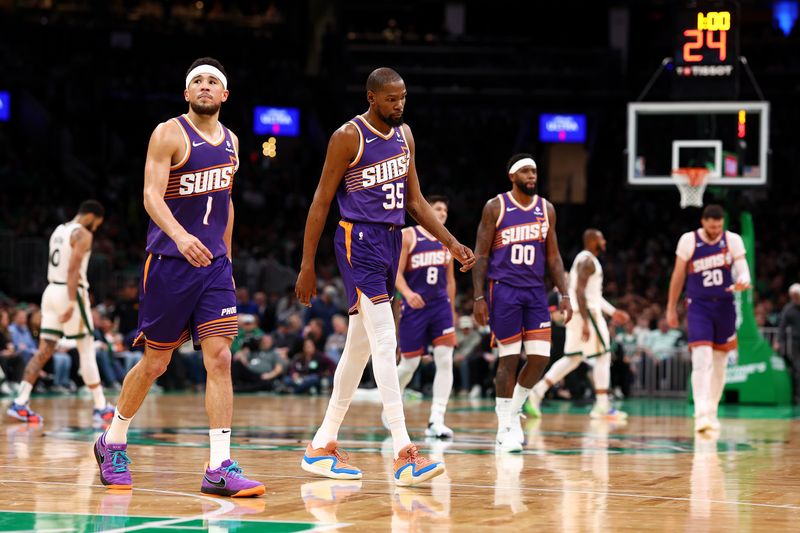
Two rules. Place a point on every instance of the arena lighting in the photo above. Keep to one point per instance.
(784, 14)
(562, 128)
(278, 121)
(5, 106)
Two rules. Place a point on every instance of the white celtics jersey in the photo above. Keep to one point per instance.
(594, 285)
(61, 253)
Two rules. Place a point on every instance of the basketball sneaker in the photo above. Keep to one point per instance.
(104, 415)
(113, 462)
(533, 407)
(410, 468)
(610, 414)
(329, 462)
(227, 480)
(438, 430)
(507, 442)
(24, 413)
(516, 430)
(703, 423)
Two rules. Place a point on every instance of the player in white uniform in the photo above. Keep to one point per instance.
(66, 311)
(587, 334)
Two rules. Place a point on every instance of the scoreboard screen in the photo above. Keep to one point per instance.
(707, 41)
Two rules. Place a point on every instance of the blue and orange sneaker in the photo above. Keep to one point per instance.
(329, 461)
(104, 415)
(410, 468)
(24, 413)
(113, 462)
(227, 480)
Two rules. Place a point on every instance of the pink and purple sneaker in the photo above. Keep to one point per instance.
(227, 480)
(113, 462)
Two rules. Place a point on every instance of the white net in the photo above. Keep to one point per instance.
(691, 183)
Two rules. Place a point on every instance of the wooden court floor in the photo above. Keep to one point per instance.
(575, 475)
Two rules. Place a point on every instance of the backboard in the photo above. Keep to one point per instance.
(730, 139)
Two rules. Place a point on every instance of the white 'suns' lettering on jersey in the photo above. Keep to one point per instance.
(710, 261)
(385, 171)
(206, 181)
(536, 231)
(228, 311)
(425, 259)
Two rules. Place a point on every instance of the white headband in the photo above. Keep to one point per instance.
(207, 69)
(522, 163)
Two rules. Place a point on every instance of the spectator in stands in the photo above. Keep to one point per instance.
(334, 345)
(661, 343)
(288, 305)
(264, 311)
(307, 369)
(244, 305)
(323, 307)
(314, 330)
(21, 337)
(469, 345)
(248, 330)
(789, 337)
(126, 312)
(257, 366)
(11, 362)
(62, 365)
(623, 351)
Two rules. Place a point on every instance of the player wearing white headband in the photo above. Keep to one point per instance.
(187, 288)
(516, 242)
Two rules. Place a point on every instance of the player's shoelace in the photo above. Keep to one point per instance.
(341, 455)
(120, 461)
(413, 456)
(234, 470)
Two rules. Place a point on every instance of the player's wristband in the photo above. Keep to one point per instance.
(479, 298)
(565, 297)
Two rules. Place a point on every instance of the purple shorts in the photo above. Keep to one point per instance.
(368, 255)
(518, 313)
(419, 328)
(712, 323)
(177, 300)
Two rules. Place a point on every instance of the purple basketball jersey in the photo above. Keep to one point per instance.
(518, 252)
(373, 188)
(426, 269)
(709, 270)
(198, 191)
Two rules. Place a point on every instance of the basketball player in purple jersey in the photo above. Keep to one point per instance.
(370, 169)
(428, 285)
(516, 237)
(705, 260)
(187, 287)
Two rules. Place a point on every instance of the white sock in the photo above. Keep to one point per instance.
(379, 324)
(24, 393)
(442, 382)
(557, 372)
(701, 379)
(719, 365)
(345, 382)
(220, 439)
(118, 432)
(406, 369)
(98, 396)
(503, 409)
(601, 374)
(519, 397)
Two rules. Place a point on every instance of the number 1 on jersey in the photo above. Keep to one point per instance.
(208, 210)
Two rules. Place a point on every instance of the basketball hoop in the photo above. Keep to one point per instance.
(691, 183)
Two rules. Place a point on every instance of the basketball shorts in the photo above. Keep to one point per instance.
(519, 314)
(431, 325)
(599, 338)
(178, 301)
(55, 303)
(368, 255)
(712, 323)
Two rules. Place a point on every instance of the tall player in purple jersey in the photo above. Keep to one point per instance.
(705, 260)
(516, 238)
(187, 287)
(370, 169)
(428, 285)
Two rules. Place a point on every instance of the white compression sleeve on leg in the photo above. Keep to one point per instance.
(405, 370)
(379, 324)
(442, 382)
(601, 374)
(701, 379)
(560, 368)
(345, 381)
(718, 367)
